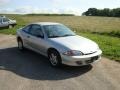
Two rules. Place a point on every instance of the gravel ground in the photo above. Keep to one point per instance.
(31, 71)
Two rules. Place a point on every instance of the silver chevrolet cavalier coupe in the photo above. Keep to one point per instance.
(60, 44)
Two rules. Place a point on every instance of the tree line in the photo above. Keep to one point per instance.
(49, 14)
(103, 12)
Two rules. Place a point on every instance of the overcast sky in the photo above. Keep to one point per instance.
(54, 6)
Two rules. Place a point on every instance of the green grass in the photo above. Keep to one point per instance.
(109, 45)
(103, 30)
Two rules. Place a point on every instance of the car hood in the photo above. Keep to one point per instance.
(12, 21)
(77, 43)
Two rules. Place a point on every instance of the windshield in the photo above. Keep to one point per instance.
(53, 31)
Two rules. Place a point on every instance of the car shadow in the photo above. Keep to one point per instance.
(31, 65)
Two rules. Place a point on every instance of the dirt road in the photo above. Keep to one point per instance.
(31, 71)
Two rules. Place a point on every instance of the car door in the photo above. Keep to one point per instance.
(5, 22)
(36, 39)
(25, 35)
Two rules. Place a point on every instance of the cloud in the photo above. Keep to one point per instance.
(29, 9)
(4, 2)
(72, 11)
(66, 10)
(59, 3)
(58, 7)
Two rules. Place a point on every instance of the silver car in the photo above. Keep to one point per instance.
(6, 22)
(58, 43)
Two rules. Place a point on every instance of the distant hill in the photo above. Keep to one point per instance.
(50, 14)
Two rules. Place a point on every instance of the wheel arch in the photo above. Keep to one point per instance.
(19, 38)
(59, 56)
(52, 49)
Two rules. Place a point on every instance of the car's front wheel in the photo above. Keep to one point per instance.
(10, 26)
(54, 58)
(20, 45)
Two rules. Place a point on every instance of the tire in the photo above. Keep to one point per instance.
(10, 26)
(54, 58)
(20, 45)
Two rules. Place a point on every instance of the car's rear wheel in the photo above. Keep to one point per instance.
(54, 58)
(20, 45)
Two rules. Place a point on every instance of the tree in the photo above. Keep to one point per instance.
(116, 12)
(103, 12)
(91, 12)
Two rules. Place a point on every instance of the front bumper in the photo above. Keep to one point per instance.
(81, 60)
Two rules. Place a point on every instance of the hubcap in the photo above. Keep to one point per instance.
(53, 59)
(19, 44)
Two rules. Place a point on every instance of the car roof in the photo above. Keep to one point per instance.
(46, 23)
(1, 17)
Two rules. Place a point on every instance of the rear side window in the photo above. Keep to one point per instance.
(0, 20)
(26, 29)
(36, 30)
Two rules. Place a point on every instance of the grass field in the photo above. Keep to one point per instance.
(104, 30)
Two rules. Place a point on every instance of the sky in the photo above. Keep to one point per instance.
(76, 7)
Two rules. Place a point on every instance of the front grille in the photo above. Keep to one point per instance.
(92, 59)
(89, 61)
(95, 58)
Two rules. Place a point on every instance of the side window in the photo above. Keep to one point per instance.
(0, 20)
(5, 19)
(36, 31)
(26, 29)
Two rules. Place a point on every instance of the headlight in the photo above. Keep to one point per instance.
(73, 53)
